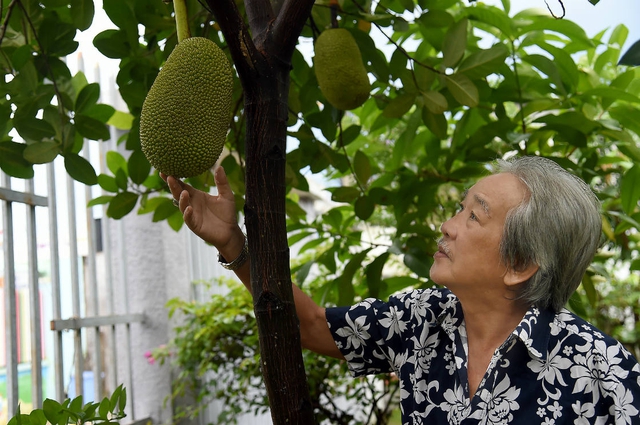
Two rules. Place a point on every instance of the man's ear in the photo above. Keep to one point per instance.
(515, 277)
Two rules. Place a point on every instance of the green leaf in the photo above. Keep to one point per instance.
(57, 37)
(399, 105)
(12, 160)
(483, 62)
(76, 405)
(113, 401)
(362, 166)
(113, 44)
(492, 16)
(364, 207)
(570, 29)
(373, 272)
(455, 43)
(627, 116)
(611, 93)
(91, 128)
(345, 194)
(82, 12)
(436, 123)
(435, 101)
(463, 89)
(122, 15)
(108, 183)
(32, 128)
(100, 200)
(87, 97)
(80, 169)
(100, 112)
(631, 56)
(138, 166)
(630, 189)
(165, 210)
(41, 152)
(346, 292)
(565, 64)
(115, 162)
(52, 410)
(121, 120)
(37, 417)
(547, 67)
(103, 410)
(121, 205)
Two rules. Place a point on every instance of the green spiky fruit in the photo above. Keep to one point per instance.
(186, 115)
(341, 75)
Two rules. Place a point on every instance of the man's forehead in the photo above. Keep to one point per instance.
(496, 189)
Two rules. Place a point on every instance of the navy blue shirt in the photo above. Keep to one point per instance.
(553, 369)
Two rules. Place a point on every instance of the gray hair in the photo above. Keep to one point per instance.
(557, 227)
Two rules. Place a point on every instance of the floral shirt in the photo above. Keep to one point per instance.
(554, 368)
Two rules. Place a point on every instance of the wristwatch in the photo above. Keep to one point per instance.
(240, 259)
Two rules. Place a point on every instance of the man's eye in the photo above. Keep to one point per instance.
(473, 216)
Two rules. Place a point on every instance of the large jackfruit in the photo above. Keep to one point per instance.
(341, 74)
(186, 115)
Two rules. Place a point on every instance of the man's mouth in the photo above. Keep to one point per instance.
(443, 248)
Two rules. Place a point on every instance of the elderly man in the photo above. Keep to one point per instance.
(496, 346)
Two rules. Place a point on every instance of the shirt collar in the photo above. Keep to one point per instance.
(533, 329)
(534, 333)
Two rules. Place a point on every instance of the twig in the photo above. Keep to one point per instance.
(44, 54)
(5, 24)
(515, 72)
(551, 11)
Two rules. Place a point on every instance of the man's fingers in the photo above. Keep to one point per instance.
(224, 190)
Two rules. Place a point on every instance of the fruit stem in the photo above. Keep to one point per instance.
(182, 19)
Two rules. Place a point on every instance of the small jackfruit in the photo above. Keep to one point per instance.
(186, 115)
(341, 75)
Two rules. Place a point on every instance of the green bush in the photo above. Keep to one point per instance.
(215, 353)
(108, 411)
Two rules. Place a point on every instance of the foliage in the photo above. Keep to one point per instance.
(454, 85)
(215, 353)
(109, 411)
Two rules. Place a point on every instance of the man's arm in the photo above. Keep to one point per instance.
(213, 218)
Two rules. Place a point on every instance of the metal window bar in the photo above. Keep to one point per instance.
(77, 323)
(11, 331)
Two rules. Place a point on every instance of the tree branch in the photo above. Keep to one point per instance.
(243, 50)
(260, 15)
(288, 26)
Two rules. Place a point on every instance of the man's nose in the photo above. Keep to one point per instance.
(448, 229)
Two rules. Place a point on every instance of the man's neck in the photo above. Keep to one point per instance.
(489, 324)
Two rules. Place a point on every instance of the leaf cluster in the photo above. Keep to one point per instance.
(109, 411)
(215, 355)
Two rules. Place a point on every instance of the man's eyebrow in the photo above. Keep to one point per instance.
(479, 200)
(483, 204)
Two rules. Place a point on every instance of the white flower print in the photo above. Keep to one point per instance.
(456, 405)
(598, 370)
(425, 348)
(584, 412)
(356, 333)
(555, 409)
(551, 368)
(625, 409)
(418, 304)
(500, 403)
(419, 388)
(393, 322)
(588, 377)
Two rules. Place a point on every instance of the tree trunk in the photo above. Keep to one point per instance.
(263, 63)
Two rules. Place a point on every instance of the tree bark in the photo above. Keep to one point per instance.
(263, 63)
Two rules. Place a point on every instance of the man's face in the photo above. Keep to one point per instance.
(468, 261)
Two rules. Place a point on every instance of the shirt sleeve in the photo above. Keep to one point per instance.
(374, 335)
